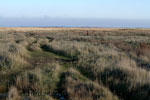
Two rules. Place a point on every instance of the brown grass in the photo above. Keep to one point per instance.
(108, 64)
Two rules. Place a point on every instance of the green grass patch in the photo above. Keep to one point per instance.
(46, 54)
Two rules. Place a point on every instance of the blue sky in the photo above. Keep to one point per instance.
(75, 13)
(118, 9)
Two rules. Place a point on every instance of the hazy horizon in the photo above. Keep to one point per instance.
(67, 13)
(73, 22)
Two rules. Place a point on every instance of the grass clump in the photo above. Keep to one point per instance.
(74, 86)
(108, 64)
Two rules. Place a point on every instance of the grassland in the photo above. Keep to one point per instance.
(68, 64)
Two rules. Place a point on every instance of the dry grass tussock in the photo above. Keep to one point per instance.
(108, 64)
(12, 54)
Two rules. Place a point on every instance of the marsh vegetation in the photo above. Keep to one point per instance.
(66, 64)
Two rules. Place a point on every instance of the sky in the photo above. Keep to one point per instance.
(135, 12)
